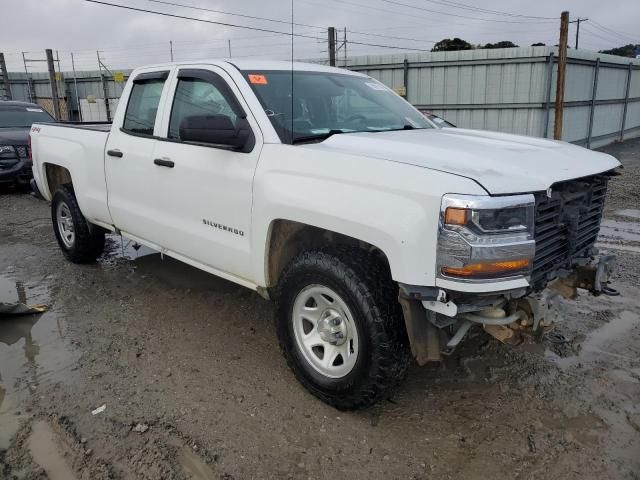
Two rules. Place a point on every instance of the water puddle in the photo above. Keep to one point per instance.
(32, 350)
(629, 212)
(599, 342)
(43, 448)
(119, 247)
(194, 466)
(616, 230)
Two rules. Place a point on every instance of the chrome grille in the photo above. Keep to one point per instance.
(566, 225)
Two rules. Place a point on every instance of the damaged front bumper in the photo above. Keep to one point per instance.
(438, 320)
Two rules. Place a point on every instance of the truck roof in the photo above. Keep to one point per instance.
(263, 65)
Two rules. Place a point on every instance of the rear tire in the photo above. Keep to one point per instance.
(342, 304)
(79, 240)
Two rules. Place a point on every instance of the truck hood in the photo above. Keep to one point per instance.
(14, 136)
(501, 163)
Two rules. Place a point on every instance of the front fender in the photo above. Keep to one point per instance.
(390, 205)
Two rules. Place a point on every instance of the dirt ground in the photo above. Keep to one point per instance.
(193, 385)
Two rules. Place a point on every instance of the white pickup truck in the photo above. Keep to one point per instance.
(379, 236)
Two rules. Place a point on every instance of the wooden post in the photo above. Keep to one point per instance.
(5, 77)
(562, 70)
(54, 84)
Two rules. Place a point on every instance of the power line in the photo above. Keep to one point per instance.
(611, 32)
(394, 2)
(253, 17)
(464, 6)
(232, 25)
(389, 36)
(608, 39)
(183, 17)
(286, 22)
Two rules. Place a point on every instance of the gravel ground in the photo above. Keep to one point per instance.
(188, 370)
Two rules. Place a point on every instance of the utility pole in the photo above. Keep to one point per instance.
(332, 46)
(345, 48)
(577, 22)
(562, 70)
(171, 49)
(54, 84)
(5, 77)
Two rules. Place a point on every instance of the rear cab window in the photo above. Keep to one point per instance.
(144, 100)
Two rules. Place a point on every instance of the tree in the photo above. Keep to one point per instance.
(448, 45)
(539, 44)
(624, 51)
(503, 44)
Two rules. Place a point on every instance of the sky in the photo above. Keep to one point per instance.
(128, 38)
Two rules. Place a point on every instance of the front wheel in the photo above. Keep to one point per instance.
(80, 241)
(340, 326)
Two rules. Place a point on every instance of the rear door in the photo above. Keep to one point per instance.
(129, 155)
(204, 191)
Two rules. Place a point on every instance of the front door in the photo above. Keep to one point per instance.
(203, 191)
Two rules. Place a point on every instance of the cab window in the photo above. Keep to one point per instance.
(197, 97)
(142, 108)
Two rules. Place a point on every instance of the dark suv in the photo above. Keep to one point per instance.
(15, 122)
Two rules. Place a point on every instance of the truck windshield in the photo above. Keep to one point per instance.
(12, 116)
(324, 104)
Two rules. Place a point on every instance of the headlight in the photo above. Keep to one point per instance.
(7, 149)
(484, 238)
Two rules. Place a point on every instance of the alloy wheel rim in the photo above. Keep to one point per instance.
(65, 224)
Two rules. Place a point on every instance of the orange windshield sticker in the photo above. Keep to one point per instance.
(257, 79)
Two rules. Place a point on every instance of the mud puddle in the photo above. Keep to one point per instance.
(603, 341)
(32, 351)
(118, 247)
(629, 212)
(616, 230)
(43, 447)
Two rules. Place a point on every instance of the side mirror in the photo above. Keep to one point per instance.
(213, 129)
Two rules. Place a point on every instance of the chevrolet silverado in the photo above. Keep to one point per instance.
(380, 237)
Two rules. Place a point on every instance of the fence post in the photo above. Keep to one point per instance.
(53, 83)
(594, 93)
(5, 77)
(406, 78)
(626, 101)
(105, 90)
(548, 103)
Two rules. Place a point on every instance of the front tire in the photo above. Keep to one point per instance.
(340, 326)
(80, 241)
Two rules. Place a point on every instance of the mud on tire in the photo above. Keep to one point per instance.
(87, 242)
(364, 283)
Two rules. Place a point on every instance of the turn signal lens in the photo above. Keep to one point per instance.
(456, 216)
(475, 270)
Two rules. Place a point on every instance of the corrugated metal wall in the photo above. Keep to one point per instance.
(508, 90)
(513, 90)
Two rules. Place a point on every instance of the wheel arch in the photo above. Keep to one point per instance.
(55, 176)
(289, 238)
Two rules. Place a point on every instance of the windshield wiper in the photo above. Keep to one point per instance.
(319, 137)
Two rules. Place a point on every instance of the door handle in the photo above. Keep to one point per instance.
(114, 153)
(164, 162)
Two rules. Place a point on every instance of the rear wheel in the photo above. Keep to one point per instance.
(340, 326)
(80, 241)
